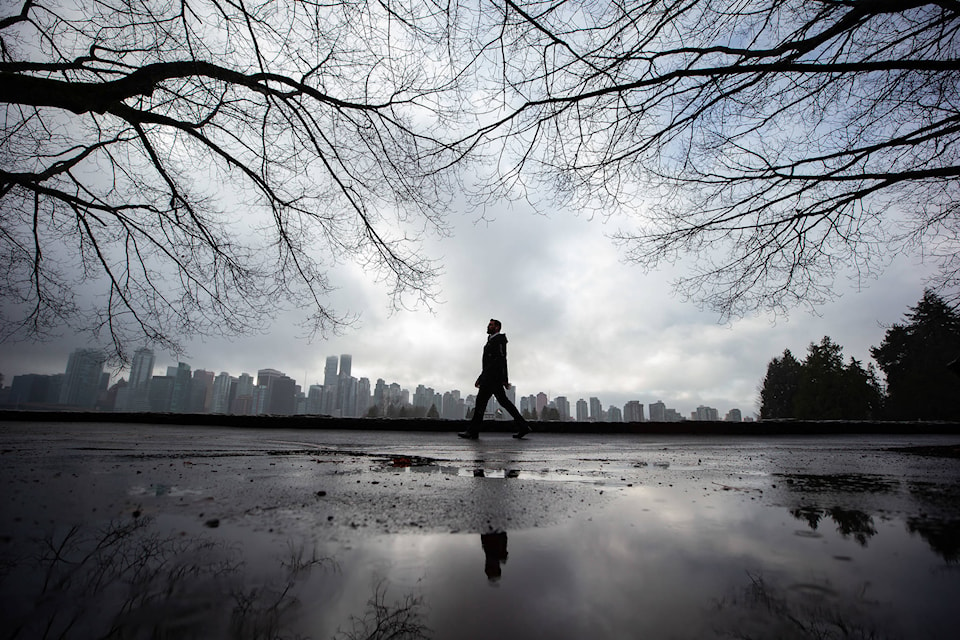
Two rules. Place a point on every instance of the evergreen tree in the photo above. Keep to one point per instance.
(780, 387)
(914, 357)
(433, 413)
(820, 387)
(862, 396)
(550, 413)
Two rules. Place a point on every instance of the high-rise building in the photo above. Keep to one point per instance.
(136, 396)
(330, 385)
(563, 407)
(201, 391)
(733, 415)
(582, 412)
(282, 396)
(633, 411)
(596, 410)
(614, 414)
(541, 403)
(244, 403)
(346, 364)
(81, 381)
(315, 399)
(180, 396)
(363, 396)
(451, 406)
(658, 411)
(224, 385)
(161, 391)
(705, 414)
(141, 369)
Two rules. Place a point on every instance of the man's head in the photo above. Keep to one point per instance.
(493, 326)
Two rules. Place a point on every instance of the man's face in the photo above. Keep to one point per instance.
(492, 328)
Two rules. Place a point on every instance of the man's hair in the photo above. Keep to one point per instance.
(499, 325)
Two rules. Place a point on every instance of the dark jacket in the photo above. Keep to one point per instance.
(494, 362)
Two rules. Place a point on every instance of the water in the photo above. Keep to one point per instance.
(206, 533)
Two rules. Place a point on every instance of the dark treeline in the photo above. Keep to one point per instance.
(918, 360)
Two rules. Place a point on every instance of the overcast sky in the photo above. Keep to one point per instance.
(580, 323)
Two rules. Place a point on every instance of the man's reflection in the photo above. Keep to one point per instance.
(495, 549)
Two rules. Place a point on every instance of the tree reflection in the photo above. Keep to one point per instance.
(402, 620)
(943, 536)
(125, 580)
(762, 610)
(850, 522)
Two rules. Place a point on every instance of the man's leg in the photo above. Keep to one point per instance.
(483, 397)
(512, 410)
(504, 401)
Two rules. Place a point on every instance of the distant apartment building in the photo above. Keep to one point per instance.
(583, 413)
(705, 414)
(596, 410)
(633, 411)
(563, 408)
(733, 415)
(614, 414)
(658, 411)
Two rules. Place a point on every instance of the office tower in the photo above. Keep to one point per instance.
(596, 410)
(563, 407)
(363, 397)
(201, 391)
(243, 397)
(330, 385)
(282, 396)
(137, 394)
(380, 393)
(33, 388)
(81, 381)
(347, 396)
(658, 411)
(180, 395)
(161, 391)
(315, 399)
(265, 380)
(346, 363)
(141, 369)
(582, 413)
(614, 414)
(223, 386)
(633, 411)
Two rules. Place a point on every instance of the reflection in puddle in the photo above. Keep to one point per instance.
(654, 564)
(850, 522)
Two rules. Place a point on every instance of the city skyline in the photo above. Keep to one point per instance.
(341, 394)
(580, 322)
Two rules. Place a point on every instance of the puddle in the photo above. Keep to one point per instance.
(653, 564)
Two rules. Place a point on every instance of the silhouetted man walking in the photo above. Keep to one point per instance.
(492, 382)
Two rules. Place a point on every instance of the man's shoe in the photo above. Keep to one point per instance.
(469, 435)
(524, 430)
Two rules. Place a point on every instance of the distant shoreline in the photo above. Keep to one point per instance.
(688, 427)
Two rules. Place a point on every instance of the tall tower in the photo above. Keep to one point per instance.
(141, 369)
(346, 362)
(330, 385)
(81, 381)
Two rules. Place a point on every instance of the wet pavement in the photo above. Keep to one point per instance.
(130, 531)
